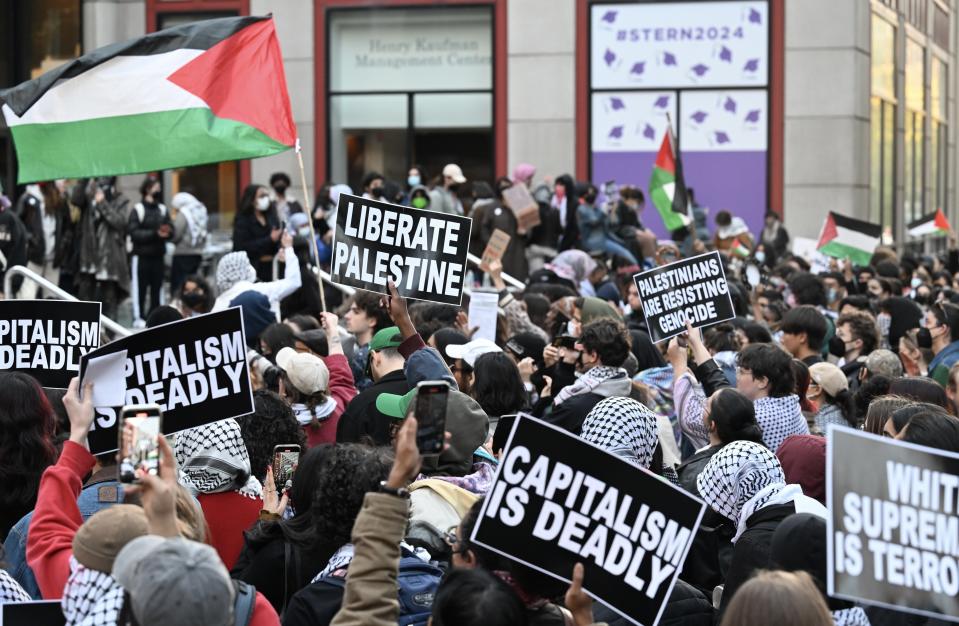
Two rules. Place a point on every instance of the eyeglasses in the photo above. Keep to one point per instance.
(452, 539)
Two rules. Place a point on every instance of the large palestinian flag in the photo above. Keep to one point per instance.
(844, 237)
(198, 93)
(932, 224)
(667, 189)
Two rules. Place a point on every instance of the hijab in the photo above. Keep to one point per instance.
(623, 427)
(233, 268)
(573, 265)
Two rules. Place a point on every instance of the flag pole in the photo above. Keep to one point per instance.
(307, 207)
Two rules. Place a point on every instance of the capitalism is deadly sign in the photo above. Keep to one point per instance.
(558, 500)
(893, 524)
(691, 289)
(195, 369)
(423, 252)
(46, 338)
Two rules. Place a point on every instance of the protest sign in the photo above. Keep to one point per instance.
(693, 289)
(495, 248)
(423, 252)
(893, 525)
(195, 369)
(523, 206)
(46, 338)
(35, 613)
(484, 307)
(557, 500)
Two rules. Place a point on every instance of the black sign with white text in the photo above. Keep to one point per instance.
(558, 500)
(693, 289)
(195, 369)
(423, 252)
(893, 525)
(34, 613)
(46, 338)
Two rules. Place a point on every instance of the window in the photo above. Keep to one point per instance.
(410, 86)
(914, 196)
(882, 123)
(938, 135)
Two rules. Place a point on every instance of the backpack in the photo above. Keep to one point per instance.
(244, 602)
(416, 587)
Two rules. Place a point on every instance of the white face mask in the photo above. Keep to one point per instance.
(263, 203)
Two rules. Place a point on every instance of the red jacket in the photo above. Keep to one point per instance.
(342, 390)
(228, 515)
(56, 519)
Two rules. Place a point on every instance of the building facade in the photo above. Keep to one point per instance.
(796, 106)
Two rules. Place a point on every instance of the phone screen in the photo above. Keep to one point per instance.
(285, 460)
(431, 416)
(138, 442)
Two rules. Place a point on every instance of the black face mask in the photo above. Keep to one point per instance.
(924, 338)
(192, 299)
(837, 347)
(376, 192)
(454, 187)
(280, 190)
(589, 198)
(923, 298)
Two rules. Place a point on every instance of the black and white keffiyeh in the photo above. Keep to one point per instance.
(10, 589)
(742, 478)
(624, 427)
(233, 268)
(855, 616)
(779, 418)
(612, 380)
(213, 459)
(90, 597)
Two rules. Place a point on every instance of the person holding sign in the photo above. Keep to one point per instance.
(744, 482)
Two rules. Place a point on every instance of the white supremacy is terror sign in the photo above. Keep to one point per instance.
(893, 537)
(46, 338)
(195, 369)
(558, 500)
(691, 289)
(423, 252)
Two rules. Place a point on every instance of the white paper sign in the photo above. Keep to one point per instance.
(484, 306)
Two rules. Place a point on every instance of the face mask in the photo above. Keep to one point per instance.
(915, 282)
(419, 202)
(837, 347)
(923, 298)
(192, 299)
(831, 295)
(760, 257)
(924, 338)
(413, 181)
(589, 198)
(262, 204)
(454, 187)
(280, 190)
(376, 192)
(303, 232)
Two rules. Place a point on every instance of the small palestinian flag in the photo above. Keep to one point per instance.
(932, 224)
(667, 189)
(738, 249)
(843, 237)
(197, 93)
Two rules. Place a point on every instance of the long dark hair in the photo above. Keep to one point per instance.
(497, 385)
(735, 417)
(248, 199)
(27, 426)
(920, 389)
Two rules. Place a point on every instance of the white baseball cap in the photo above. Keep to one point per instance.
(307, 372)
(471, 351)
(453, 171)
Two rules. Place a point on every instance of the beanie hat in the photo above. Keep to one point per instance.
(103, 535)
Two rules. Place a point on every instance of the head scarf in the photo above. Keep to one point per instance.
(213, 459)
(803, 459)
(232, 269)
(10, 589)
(573, 265)
(195, 213)
(523, 173)
(742, 478)
(91, 598)
(624, 427)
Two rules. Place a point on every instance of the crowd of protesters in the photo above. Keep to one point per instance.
(370, 532)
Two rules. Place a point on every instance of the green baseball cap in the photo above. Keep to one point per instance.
(395, 405)
(386, 338)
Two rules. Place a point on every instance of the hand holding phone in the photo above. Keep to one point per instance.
(432, 397)
(141, 425)
(286, 457)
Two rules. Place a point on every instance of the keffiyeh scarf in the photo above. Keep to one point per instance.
(855, 616)
(213, 459)
(742, 478)
(779, 418)
(195, 214)
(233, 268)
(591, 381)
(573, 265)
(623, 427)
(91, 598)
(10, 590)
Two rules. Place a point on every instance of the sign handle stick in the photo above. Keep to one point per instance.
(309, 212)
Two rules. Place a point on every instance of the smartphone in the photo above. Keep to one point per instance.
(564, 341)
(516, 349)
(285, 459)
(430, 413)
(141, 425)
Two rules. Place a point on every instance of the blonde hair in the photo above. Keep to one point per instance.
(780, 598)
(880, 410)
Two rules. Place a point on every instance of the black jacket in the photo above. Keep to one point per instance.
(571, 414)
(689, 469)
(751, 551)
(362, 419)
(30, 213)
(687, 606)
(143, 232)
(254, 238)
(13, 244)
